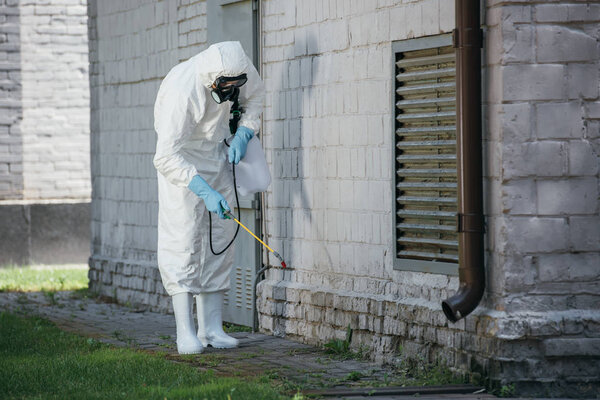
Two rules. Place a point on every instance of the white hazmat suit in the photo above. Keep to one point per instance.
(191, 127)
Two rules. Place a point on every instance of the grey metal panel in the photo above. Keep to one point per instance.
(428, 143)
(433, 242)
(427, 88)
(425, 156)
(426, 185)
(426, 172)
(413, 199)
(437, 267)
(421, 227)
(234, 20)
(427, 42)
(424, 75)
(440, 58)
(436, 116)
(426, 214)
(426, 102)
(433, 257)
(238, 300)
(231, 20)
(425, 130)
(226, 2)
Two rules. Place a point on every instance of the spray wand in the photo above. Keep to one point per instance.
(228, 214)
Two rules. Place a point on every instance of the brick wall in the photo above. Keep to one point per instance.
(543, 185)
(328, 133)
(543, 107)
(132, 47)
(44, 136)
(11, 148)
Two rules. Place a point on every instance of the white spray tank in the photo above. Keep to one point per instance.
(252, 172)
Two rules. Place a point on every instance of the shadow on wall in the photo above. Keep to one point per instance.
(294, 150)
(295, 144)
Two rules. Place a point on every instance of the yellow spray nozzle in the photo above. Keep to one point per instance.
(228, 214)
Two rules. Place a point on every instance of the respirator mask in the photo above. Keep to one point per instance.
(225, 87)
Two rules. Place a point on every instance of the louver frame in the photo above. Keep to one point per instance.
(424, 155)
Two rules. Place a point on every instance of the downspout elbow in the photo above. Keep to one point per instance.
(471, 273)
(464, 301)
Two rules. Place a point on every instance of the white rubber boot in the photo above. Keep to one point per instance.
(210, 321)
(187, 341)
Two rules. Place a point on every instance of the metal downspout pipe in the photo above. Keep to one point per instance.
(468, 40)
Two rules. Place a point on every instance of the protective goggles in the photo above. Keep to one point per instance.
(225, 87)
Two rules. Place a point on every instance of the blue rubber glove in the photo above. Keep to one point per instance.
(239, 143)
(213, 200)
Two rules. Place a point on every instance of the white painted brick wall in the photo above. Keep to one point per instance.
(11, 144)
(132, 47)
(44, 114)
(340, 59)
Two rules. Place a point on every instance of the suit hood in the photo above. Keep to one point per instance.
(221, 59)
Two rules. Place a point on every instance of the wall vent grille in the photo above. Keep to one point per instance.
(425, 157)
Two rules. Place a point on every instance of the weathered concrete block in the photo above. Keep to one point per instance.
(540, 328)
(568, 267)
(579, 77)
(564, 44)
(551, 13)
(547, 158)
(107, 278)
(572, 196)
(584, 233)
(519, 197)
(583, 160)
(562, 347)
(519, 44)
(279, 293)
(559, 120)
(543, 234)
(530, 82)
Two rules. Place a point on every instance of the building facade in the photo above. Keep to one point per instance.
(44, 131)
(331, 131)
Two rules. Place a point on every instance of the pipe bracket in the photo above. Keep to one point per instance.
(469, 38)
(472, 223)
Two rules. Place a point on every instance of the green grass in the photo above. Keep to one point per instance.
(51, 278)
(231, 328)
(418, 372)
(341, 348)
(38, 360)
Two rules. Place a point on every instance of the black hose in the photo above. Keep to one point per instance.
(237, 201)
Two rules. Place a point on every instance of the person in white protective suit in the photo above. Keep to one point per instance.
(191, 119)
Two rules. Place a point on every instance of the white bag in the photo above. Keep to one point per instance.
(252, 172)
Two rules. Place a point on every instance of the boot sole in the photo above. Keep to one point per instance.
(225, 346)
(222, 347)
(190, 352)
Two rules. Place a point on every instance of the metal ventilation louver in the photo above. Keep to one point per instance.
(425, 185)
